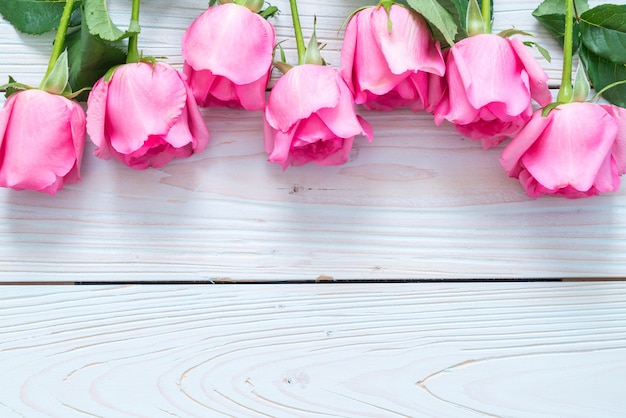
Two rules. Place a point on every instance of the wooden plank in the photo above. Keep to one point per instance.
(417, 202)
(532, 350)
(227, 213)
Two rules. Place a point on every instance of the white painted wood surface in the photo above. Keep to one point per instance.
(336, 350)
(418, 202)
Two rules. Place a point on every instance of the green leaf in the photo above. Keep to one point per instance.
(56, 81)
(581, 85)
(544, 52)
(557, 7)
(511, 32)
(551, 14)
(254, 6)
(603, 31)
(96, 15)
(313, 54)
(13, 87)
(474, 23)
(603, 72)
(90, 58)
(269, 11)
(34, 16)
(458, 8)
(549, 108)
(438, 16)
(459, 11)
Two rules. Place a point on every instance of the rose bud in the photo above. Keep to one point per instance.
(386, 57)
(577, 150)
(228, 53)
(42, 139)
(145, 115)
(490, 83)
(310, 117)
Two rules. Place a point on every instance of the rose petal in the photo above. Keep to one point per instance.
(491, 72)
(411, 92)
(619, 147)
(314, 142)
(223, 90)
(409, 46)
(348, 54)
(268, 137)
(5, 114)
(200, 83)
(513, 152)
(341, 119)
(179, 134)
(573, 146)
(282, 146)
(302, 91)
(367, 128)
(96, 118)
(142, 100)
(155, 152)
(252, 96)
(78, 127)
(455, 105)
(370, 66)
(607, 177)
(338, 151)
(438, 103)
(490, 132)
(311, 130)
(414, 88)
(538, 79)
(38, 144)
(197, 125)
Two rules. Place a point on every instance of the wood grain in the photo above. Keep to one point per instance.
(419, 350)
(419, 201)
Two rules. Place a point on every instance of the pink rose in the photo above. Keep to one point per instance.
(310, 118)
(42, 137)
(228, 52)
(490, 83)
(388, 69)
(145, 116)
(578, 150)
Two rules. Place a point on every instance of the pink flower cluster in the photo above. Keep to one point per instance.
(485, 85)
(145, 114)
(310, 114)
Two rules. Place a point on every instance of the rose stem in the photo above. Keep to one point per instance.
(486, 10)
(59, 40)
(133, 49)
(566, 91)
(298, 31)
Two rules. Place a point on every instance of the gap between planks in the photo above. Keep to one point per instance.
(320, 280)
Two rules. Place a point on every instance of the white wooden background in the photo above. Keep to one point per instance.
(317, 350)
(419, 202)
